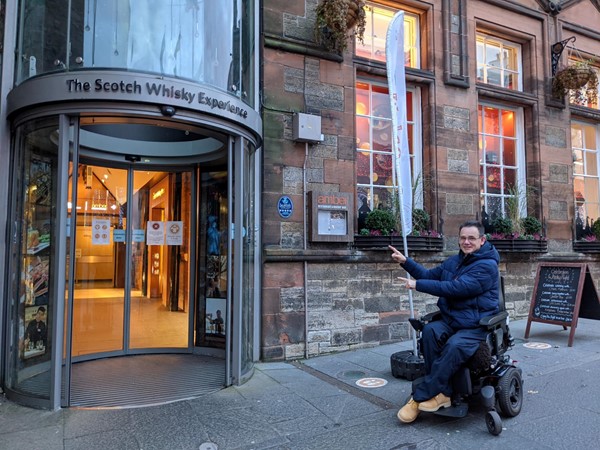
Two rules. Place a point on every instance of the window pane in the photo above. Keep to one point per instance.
(409, 102)
(383, 170)
(508, 123)
(491, 120)
(591, 164)
(509, 153)
(363, 167)
(382, 138)
(362, 133)
(510, 179)
(492, 55)
(590, 137)
(492, 180)
(492, 150)
(591, 191)
(494, 207)
(383, 198)
(578, 161)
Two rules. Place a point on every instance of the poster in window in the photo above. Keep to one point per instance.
(155, 233)
(36, 280)
(35, 337)
(100, 231)
(215, 316)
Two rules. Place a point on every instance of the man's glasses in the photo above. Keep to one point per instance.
(469, 238)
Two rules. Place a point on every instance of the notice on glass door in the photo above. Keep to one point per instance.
(100, 231)
(174, 233)
(155, 233)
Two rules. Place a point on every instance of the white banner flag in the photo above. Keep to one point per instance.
(394, 53)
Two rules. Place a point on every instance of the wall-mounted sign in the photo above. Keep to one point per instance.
(330, 215)
(114, 85)
(285, 206)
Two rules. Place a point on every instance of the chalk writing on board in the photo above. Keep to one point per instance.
(556, 293)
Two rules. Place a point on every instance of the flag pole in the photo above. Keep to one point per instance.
(394, 49)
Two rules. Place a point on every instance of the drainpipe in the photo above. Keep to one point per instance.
(305, 237)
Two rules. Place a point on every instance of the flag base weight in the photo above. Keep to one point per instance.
(406, 365)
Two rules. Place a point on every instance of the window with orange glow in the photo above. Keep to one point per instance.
(378, 19)
(499, 62)
(501, 158)
(375, 169)
(586, 181)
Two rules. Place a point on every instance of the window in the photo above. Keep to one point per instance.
(374, 160)
(498, 62)
(501, 159)
(586, 182)
(377, 22)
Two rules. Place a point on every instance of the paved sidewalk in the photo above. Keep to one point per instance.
(316, 404)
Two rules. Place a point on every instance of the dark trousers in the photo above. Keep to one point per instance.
(444, 350)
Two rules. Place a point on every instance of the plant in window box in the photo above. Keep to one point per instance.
(335, 21)
(525, 236)
(590, 241)
(381, 227)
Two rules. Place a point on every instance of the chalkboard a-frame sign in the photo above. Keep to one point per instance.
(562, 293)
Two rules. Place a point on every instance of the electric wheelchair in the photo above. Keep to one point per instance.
(490, 374)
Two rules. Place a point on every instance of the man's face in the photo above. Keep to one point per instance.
(469, 240)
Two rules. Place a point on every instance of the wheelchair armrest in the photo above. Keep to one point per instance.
(430, 317)
(491, 321)
(418, 324)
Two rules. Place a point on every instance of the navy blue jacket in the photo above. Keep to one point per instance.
(467, 285)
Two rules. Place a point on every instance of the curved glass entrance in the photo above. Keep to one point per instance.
(124, 233)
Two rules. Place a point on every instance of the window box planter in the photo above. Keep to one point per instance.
(520, 245)
(415, 243)
(586, 246)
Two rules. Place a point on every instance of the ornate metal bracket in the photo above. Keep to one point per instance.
(556, 50)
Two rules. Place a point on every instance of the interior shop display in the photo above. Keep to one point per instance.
(35, 276)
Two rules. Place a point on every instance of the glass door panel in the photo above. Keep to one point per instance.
(160, 259)
(99, 291)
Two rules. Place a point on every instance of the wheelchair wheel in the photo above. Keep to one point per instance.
(510, 393)
(493, 422)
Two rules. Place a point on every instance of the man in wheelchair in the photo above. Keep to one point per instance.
(467, 285)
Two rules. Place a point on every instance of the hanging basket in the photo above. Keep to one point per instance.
(336, 19)
(352, 14)
(575, 77)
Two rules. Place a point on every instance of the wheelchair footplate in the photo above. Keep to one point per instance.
(459, 410)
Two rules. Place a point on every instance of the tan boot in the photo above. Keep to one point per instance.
(437, 402)
(409, 412)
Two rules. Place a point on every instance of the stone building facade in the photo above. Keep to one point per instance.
(320, 297)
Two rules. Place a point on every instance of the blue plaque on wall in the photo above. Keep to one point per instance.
(285, 206)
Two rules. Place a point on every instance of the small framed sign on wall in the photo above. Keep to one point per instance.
(330, 216)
